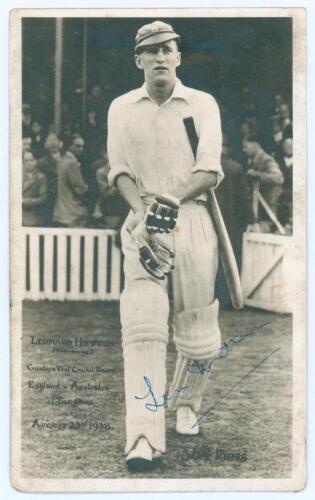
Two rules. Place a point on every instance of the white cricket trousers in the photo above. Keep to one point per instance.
(144, 312)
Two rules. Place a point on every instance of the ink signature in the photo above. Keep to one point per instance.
(195, 367)
(237, 384)
(154, 406)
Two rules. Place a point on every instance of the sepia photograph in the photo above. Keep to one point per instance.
(158, 228)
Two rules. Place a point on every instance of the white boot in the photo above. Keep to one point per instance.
(186, 421)
(141, 456)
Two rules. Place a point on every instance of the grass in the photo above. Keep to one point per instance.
(246, 435)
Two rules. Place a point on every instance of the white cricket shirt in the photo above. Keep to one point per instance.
(150, 143)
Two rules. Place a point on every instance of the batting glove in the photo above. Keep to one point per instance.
(162, 214)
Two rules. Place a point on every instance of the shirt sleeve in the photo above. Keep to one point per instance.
(115, 148)
(208, 156)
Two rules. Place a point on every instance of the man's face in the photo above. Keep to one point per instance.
(284, 111)
(26, 144)
(77, 147)
(29, 161)
(278, 99)
(52, 143)
(249, 148)
(36, 127)
(245, 129)
(96, 92)
(288, 147)
(26, 110)
(276, 127)
(159, 62)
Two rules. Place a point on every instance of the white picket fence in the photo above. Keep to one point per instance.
(85, 264)
(266, 271)
(72, 264)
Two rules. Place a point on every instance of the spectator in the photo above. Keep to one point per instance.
(76, 102)
(274, 137)
(94, 136)
(278, 100)
(41, 104)
(96, 103)
(244, 130)
(286, 122)
(37, 139)
(101, 159)
(34, 192)
(286, 201)
(274, 107)
(247, 103)
(26, 144)
(241, 114)
(254, 124)
(71, 209)
(111, 209)
(277, 133)
(26, 121)
(265, 169)
(95, 120)
(66, 134)
(48, 166)
(241, 132)
(234, 199)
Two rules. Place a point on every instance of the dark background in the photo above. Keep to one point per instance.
(220, 55)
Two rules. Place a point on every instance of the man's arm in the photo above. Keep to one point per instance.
(207, 172)
(120, 174)
(129, 190)
(269, 173)
(208, 155)
(40, 198)
(115, 145)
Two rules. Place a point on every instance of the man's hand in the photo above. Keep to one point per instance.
(161, 216)
(156, 258)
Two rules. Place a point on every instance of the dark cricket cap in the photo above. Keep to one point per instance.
(153, 33)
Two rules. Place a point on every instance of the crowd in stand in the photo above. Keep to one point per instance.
(65, 176)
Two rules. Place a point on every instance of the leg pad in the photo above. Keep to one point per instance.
(198, 339)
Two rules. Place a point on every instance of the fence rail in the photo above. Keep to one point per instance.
(72, 264)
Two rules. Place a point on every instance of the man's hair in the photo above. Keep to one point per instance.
(51, 134)
(75, 136)
(141, 49)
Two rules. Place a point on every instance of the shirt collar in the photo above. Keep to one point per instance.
(179, 92)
